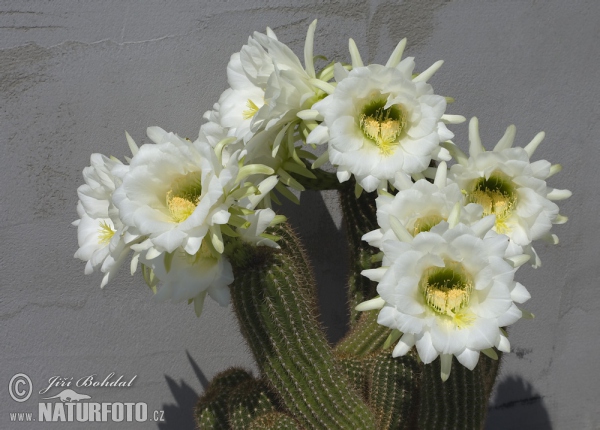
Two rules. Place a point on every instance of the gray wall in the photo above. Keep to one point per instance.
(74, 75)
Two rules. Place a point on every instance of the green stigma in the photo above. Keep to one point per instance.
(426, 223)
(497, 196)
(383, 126)
(446, 290)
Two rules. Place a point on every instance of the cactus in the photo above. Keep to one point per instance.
(211, 409)
(274, 298)
(274, 421)
(365, 337)
(247, 401)
(359, 219)
(394, 389)
(307, 384)
(461, 401)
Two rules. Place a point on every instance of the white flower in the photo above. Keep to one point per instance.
(381, 122)
(269, 88)
(507, 184)
(99, 229)
(182, 276)
(268, 85)
(177, 199)
(239, 104)
(419, 207)
(259, 221)
(449, 291)
(218, 136)
(176, 192)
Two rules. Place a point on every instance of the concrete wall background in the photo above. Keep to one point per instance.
(74, 75)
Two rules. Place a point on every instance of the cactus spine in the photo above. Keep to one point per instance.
(250, 399)
(461, 401)
(394, 390)
(211, 409)
(305, 383)
(274, 421)
(359, 219)
(274, 298)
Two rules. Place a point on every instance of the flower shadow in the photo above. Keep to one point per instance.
(180, 416)
(517, 405)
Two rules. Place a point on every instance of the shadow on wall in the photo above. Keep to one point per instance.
(326, 247)
(516, 405)
(395, 20)
(180, 416)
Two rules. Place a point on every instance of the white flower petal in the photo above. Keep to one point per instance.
(468, 358)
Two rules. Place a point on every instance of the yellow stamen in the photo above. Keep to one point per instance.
(251, 111)
(447, 291)
(183, 197)
(180, 207)
(105, 233)
(383, 126)
(496, 195)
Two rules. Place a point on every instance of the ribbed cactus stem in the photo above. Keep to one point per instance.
(247, 401)
(212, 408)
(274, 421)
(461, 401)
(359, 219)
(366, 337)
(274, 298)
(355, 369)
(394, 390)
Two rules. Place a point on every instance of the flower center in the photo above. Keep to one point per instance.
(497, 196)
(383, 126)
(426, 223)
(183, 197)
(447, 290)
(251, 111)
(105, 233)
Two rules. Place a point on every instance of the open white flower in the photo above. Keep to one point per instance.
(507, 184)
(176, 192)
(420, 206)
(449, 291)
(381, 122)
(177, 200)
(268, 85)
(181, 276)
(99, 229)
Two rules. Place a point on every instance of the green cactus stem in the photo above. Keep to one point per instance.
(460, 402)
(366, 337)
(275, 301)
(354, 368)
(247, 401)
(359, 219)
(211, 410)
(394, 390)
(274, 421)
